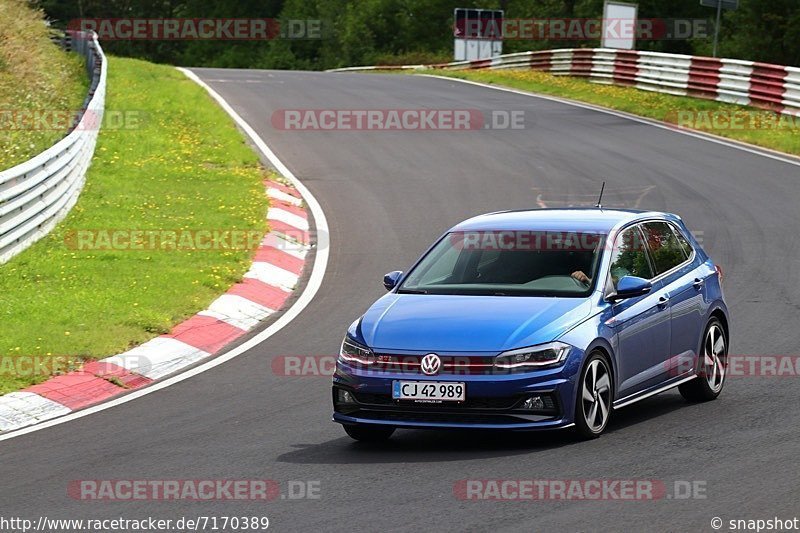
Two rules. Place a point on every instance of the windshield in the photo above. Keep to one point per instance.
(509, 264)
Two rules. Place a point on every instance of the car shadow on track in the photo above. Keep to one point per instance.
(420, 446)
(646, 410)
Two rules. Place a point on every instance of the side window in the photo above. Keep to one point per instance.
(684, 244)
(665, 250)
(628, 257)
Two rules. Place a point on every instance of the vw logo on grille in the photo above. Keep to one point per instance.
(431, 364)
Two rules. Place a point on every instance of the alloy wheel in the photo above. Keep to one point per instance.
(596, 395)
(714, 357)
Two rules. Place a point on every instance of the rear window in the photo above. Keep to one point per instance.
(665, 249)
(687, 248)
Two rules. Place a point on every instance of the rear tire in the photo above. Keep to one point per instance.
(711, 366)
(365, 433)
(595, 394)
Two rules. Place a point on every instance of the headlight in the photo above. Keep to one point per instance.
(533, 357)
(353, 353)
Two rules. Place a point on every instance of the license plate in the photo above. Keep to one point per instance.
(429, 391)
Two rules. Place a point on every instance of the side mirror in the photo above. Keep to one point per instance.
(630, 287)
(391, 279)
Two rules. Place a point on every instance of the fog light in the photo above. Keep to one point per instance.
(344, 396)
(534, 403)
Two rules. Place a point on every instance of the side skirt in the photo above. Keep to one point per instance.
(633, 398)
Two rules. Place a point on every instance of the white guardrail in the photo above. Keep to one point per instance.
(37, 194)
(762, 85)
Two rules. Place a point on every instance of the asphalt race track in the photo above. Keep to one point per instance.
(387, 195)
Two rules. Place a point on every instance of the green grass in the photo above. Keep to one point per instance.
(36, 76)
(784, 137)
(182, 165)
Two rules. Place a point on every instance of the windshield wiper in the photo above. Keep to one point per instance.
(412, 291)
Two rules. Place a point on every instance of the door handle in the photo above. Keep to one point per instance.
(698, 283)
(663, 301)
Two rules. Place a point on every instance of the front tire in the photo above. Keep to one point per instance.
(365, 433)
(595, 393)
(711, 366)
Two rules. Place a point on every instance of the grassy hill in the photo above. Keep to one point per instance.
(36, 77)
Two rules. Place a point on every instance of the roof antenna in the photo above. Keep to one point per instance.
(600, 199)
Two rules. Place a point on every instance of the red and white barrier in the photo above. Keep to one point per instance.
(762, 85)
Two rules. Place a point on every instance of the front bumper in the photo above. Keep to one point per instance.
(492, 401)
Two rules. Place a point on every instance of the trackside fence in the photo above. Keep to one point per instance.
(762, 85)
(37, 194)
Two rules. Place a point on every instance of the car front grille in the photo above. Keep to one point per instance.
(470, 403)
(506, 410)
(446, 418)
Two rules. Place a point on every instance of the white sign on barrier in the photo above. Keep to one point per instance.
(477, 33)
(619, 25)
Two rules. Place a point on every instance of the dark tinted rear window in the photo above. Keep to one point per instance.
(665, 250)
(687, 248)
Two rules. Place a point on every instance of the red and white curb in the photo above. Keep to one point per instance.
(278, 264)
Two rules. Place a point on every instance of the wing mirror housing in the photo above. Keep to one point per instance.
(631, 287)
(391, 279)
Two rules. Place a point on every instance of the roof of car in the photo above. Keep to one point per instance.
(591, 219)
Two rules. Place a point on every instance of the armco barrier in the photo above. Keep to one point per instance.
(762, 85)
(37, 194)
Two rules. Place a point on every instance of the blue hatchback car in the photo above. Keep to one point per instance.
(536, 319)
